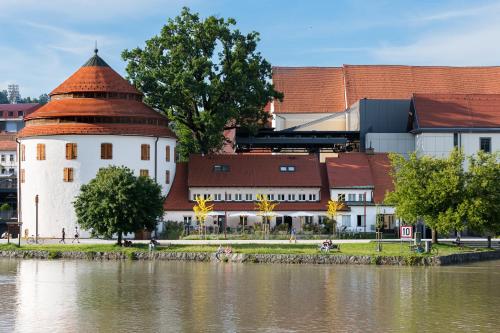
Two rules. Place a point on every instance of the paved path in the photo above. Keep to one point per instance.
(236, 241)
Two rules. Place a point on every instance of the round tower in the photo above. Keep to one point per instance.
(94, 119)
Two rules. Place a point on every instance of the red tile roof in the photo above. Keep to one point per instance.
(325, 89)
(457, 111)
(8, 145)
(95, 79)
(254, 171)
(178, 197)
(355, 170)
(400, 82)
(99, 107)
(25, 108)
(95, 129)
(309, 89)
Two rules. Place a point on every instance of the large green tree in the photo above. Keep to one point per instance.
(482, 205)
(117, 202)
(430, 189)
(4, 97)
(207, 76)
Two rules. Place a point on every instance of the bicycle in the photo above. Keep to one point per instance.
(31, 240)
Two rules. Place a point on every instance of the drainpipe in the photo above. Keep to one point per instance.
(156, 158)
(19, 215)
(156, 174)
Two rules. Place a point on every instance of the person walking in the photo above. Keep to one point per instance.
(293, 236)
(63, 236)
(77, 236)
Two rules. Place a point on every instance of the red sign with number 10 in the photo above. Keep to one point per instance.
(406, 232)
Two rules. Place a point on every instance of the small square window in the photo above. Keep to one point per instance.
(291, 197)
(144, 173)
(485, 144)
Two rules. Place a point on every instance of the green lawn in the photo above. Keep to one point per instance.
(388, 249)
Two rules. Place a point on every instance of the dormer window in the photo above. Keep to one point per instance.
(287, 168)
(221, 168)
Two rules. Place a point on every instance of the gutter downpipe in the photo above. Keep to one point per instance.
(19, 214)
(156, 173)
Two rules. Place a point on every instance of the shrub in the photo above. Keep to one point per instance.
(172, 230)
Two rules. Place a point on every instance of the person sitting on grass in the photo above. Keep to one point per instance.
(220, 251)
(228, 250)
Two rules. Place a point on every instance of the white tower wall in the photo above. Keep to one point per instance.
(45, 177)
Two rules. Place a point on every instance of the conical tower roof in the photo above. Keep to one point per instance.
(96, 100)
(95, 76)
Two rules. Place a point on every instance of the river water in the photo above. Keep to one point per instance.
(114, 296)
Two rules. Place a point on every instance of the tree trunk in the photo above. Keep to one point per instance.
(434, 236)
(119, 242)
(489, 242)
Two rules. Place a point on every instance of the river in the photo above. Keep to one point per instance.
(114, 296)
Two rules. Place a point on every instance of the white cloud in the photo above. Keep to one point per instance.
(452, 14)
(470, 45)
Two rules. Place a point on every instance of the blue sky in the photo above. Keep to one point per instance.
(42, 42)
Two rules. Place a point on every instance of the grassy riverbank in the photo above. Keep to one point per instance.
(366, 249)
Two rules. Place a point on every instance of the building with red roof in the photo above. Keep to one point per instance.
(94, 119)
(300, 184)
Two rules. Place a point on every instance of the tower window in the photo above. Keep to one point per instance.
(145, 152)
(68, 174)
(23, 153)
(40, 151)
(167, 177)
(106, 151)
(144, 173)
(71, 151)
(167, 153)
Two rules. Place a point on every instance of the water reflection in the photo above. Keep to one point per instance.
(64, 296)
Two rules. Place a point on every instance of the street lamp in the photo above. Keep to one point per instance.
(36, 219)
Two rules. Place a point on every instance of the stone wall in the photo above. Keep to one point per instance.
(341, 259)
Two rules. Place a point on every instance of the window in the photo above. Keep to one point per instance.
(11, 171)
(188, 220)
(221, 168)
(206, 196)
(20, 113)
(71, 151)
(287, 168)
(195, 196)
(485, 144)
(341, 197)
(281, 197)
(68, 174)
(167, 177)
(23, 153)
(3, 171)
(40, 151)
(145, 152)
(144, 173)
(21, 176)
(455, 139)
(308, 219)
(302, 197)
(291, 197)
(346, 220)
(218, 197)
(351, 197)
(228, 197)
(270, 197)
(11, 114)
(361, 220)
(238, 197)
(167, 153)
(11, 157)
(249, 197)
(106, 151)
(312, 197)
(3, 158)
(361, 197)
(176, 157)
